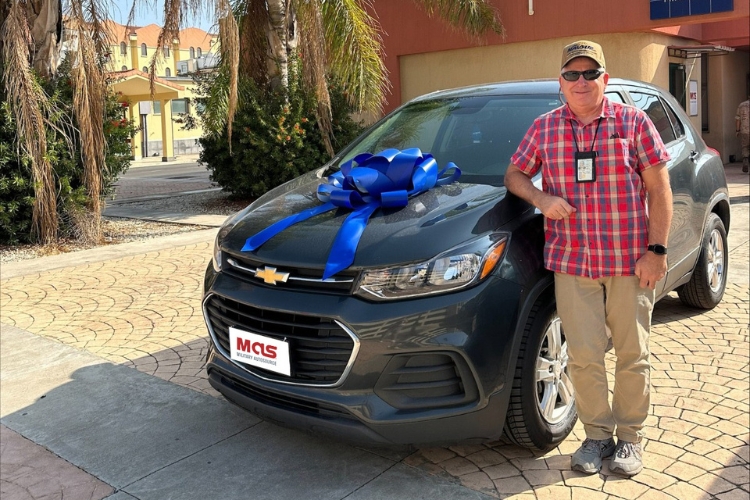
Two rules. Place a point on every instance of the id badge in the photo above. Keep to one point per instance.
(585, 166)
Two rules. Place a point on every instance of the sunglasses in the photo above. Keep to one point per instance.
(589, 74)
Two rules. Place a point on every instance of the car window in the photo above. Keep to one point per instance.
(479, 134)
(615, 97)
(655, 110)
(679, 128)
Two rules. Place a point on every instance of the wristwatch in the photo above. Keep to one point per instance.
(658, 249)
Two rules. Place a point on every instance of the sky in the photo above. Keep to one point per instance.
(147, 12)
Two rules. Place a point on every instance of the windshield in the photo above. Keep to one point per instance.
(479, 134)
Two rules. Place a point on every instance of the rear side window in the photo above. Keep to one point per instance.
(615, 97)
(655, 110)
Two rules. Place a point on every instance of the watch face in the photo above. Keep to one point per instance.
(658, 249)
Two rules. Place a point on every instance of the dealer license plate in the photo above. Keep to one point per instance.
(258, 350)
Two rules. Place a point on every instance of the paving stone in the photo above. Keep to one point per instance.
(683, 471)
(654, 479)
(511, 485)
(624, 487)
(479, 481)
(685, 491)
(458, 466)
(501, 471)
(713, 484)
(543, 477)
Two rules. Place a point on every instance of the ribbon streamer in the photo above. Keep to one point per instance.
(386, 179)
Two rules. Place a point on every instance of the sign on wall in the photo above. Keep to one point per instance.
(693, 97)
(665, 9)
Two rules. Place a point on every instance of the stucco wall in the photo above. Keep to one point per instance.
(640, 56)
(732, 71)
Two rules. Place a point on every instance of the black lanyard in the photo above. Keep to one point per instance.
(595, 132)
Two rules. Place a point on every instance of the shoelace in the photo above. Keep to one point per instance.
(592, 445)
(626, 450)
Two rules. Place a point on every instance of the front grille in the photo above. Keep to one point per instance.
(428, 380)
(320, 350)
(300, 278)
(283, 401)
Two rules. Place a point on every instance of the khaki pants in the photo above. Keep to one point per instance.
(587, 307)
(745, 144)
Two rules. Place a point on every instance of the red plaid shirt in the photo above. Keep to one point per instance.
(608, 232)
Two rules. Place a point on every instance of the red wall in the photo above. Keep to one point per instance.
(408, 30)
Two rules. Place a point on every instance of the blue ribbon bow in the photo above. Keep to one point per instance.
(386, 179)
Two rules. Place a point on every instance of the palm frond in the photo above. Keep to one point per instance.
(354, 51)
(313, 56)
(27, 99)
(253, 41)
(87, 20)
(474, 17)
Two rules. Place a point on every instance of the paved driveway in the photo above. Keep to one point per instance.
(102, 363)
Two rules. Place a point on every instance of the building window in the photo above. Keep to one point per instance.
(179, 106)
(123, 48)
(199, 51)
(192, 53)
(145, 69)
(166, 51)
(124, 68)
(156, 107)
(167, 72)
(144, 51)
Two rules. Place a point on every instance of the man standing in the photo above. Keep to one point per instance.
(607, 204)
(742, 129)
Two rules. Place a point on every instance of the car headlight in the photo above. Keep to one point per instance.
(228, 225)
(459, 267)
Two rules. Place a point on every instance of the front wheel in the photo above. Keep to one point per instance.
(542, 409)
(706, 286)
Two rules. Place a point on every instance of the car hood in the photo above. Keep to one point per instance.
(431, 223)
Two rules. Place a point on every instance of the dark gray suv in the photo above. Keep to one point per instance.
(442, 326)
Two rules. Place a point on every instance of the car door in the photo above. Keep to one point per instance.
(684, 232)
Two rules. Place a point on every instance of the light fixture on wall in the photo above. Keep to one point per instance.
(531, 7)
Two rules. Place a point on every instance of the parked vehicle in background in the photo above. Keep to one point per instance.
(444, 327)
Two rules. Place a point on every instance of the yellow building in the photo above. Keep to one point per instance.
(130, 57)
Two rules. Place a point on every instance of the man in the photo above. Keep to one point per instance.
(742, 129)
(607, 205)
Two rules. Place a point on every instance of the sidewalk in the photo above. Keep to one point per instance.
(103, 392)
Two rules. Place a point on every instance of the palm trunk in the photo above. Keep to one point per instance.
(282, 38)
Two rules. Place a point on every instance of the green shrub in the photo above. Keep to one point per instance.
(16, 182)
(274, 138)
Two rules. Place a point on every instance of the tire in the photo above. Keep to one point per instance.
(709, 279)
(542, 411)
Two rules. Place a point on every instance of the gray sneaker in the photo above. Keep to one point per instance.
(588, 458)
(627, 459)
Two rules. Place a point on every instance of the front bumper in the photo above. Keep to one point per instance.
(376, 402)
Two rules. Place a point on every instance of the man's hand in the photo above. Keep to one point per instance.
(554, 207)
(650, 268)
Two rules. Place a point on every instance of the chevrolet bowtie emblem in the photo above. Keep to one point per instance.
(269, 275)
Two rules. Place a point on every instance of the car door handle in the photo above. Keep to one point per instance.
(694, 156)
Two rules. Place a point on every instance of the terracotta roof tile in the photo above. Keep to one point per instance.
(189, 37)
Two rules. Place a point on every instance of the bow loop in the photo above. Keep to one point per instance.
(362, 185)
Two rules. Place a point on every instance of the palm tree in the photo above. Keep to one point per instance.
(336, 38)
(30, 36)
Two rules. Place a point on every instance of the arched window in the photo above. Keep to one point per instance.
(192, 53)
(124, 68)
(200, 52)
(144, 51)
(145, 69)
(166, 51)
(167, 72)
(123, 48)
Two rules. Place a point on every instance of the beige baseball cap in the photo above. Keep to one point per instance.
(583, 48)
